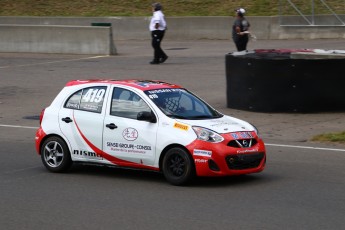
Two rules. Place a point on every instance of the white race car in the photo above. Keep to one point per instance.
(145, 124)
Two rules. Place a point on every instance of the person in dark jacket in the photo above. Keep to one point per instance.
(240, 33)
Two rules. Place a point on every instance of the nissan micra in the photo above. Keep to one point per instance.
(145, 124)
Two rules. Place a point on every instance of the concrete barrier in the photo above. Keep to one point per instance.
(75, 35)
(181, 28)
(56, 39)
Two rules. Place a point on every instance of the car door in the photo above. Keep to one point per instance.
(124, 137)
(81, 121)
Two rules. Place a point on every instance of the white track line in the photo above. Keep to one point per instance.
(304, 147)
(18, 126)
(267, 144)
(51, 62)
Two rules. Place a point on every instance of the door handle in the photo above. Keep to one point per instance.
(111, 126)
(67, 119)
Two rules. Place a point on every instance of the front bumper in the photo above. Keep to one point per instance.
(225, 159)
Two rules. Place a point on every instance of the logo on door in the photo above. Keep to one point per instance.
(130, 134)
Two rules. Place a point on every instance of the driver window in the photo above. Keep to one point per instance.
(128, 104)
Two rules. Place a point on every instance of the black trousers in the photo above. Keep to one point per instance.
(241, 43)
(157, 37)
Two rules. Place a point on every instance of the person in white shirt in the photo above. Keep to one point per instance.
(157, 27)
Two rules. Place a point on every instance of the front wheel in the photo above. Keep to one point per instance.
(178, 167)
(55, 155)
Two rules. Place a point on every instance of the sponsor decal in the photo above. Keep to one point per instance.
(222, 123)
(153, 94)
(242, 135)
(235, 136)
(110, 158)
(181, 126)
(204, 153)
(200, 161)
(72, 105)
(145, 84)
(158, 91)
(248, 151)
(165, 124)
(128, 148)
(246, 135)
(89, 107)
(130, 134)
(87, 154)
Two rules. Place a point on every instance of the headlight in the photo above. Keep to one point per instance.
(255, 129)
(207, 135)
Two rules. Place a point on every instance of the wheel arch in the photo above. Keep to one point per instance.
(53, 135)
(167, 148)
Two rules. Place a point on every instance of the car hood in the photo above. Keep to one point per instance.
(225, 124)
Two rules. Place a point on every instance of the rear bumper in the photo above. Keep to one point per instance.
(40, 134)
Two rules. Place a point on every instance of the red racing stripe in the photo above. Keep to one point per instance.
(110, 158)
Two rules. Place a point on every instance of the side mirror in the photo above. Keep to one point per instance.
(147, 116)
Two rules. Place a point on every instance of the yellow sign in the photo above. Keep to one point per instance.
(181, 126)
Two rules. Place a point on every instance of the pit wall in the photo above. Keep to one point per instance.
(182, 28)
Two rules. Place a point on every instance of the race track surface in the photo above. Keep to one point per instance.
(302, 186)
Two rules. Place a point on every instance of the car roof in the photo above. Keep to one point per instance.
(135, 83)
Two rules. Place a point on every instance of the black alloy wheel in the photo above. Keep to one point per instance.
(178, 167)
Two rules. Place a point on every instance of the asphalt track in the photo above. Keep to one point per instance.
(302, 187)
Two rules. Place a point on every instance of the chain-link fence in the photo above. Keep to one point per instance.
(312, 12)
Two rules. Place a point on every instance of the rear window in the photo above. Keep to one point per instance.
(89, 99)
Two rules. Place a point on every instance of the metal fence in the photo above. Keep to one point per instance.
(311, 13)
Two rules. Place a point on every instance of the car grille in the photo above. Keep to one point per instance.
(244, 143)
(244, 161)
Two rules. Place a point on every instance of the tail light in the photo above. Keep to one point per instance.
(41, 116)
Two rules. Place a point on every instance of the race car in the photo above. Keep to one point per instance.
(145, 124)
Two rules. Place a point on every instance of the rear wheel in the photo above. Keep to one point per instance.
(55, 155)
(178, 167)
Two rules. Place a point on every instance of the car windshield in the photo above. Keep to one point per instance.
(181, 104)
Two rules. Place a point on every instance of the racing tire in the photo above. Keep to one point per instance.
(55, 155)
(177, 166)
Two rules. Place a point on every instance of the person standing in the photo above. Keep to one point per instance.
(157, 27)
(240, 33)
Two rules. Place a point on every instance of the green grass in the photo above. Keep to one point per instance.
(330, 137)
(171, 7)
